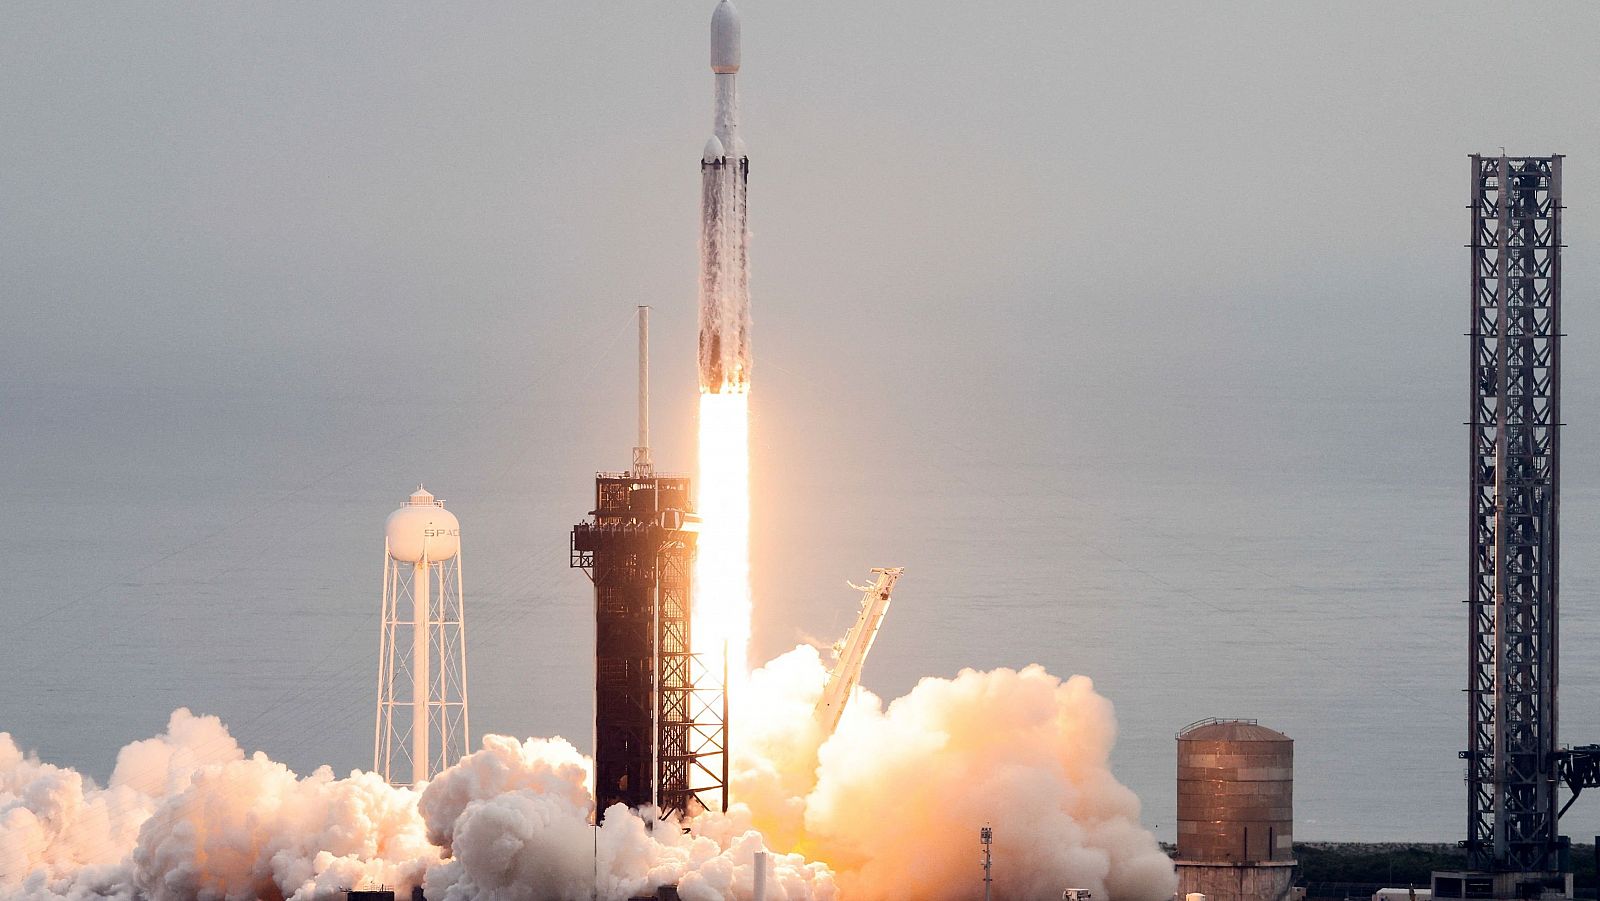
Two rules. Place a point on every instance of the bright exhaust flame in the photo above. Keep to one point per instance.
(722, 565)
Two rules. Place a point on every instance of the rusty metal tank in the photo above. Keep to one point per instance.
(1235, 793)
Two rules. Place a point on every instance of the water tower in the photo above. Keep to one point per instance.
(422, 649)
(1235, 811)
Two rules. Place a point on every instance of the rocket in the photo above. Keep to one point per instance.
(724, 237)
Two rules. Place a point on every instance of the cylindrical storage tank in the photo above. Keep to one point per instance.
(423, 529)
(1235, 793)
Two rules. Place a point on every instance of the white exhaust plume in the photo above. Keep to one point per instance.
(186, 815)
(893, 799)
(885, 808)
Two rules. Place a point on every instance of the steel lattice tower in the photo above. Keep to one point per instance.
(691, 718)
(660, 738)
(1514, 470)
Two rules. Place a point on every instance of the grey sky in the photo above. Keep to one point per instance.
(1132, 330)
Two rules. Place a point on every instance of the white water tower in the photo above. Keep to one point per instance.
(422, 648)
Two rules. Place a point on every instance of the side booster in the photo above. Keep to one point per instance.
(724, 257)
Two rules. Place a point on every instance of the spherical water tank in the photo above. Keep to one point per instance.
(423, 529)
(1235, 793)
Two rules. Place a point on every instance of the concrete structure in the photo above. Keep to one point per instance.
(422, 645)
(1235, 811)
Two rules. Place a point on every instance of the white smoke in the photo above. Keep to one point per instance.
(187, 815)
(893, 800)
(888, 807)
(514, 819)
(63, 836)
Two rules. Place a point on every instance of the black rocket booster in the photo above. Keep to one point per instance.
(724, 256)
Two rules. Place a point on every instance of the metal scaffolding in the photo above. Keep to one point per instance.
(850, 654)
(692, 714)
(659, 734)
(1514, 444)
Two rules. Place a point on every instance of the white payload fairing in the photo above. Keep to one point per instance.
(724, 257)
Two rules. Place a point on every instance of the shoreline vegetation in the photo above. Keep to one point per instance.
(1335, 871)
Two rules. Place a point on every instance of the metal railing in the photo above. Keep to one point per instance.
(1214, 721)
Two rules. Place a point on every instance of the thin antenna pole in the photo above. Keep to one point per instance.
(641, 452)
(644, 379)
(987, 835)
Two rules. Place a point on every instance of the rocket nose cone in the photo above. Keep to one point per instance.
(714, 150)
(725, 39)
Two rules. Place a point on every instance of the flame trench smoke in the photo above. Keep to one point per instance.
(885, 808)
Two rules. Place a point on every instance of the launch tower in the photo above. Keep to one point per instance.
(1513, 762)
(659, 738)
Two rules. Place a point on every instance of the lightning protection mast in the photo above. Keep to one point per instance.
(986, 835)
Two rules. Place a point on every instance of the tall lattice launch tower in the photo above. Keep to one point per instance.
(1512, 761)
(422, 724)
(659, 737)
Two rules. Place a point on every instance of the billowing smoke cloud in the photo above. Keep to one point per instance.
(893, 800)
(186, 815)
(888, 807)
(514, 817)
(61, 835)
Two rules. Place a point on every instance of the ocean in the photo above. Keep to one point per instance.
(1239, 554)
